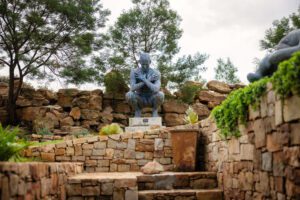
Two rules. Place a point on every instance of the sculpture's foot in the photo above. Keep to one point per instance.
(137, 113)
(254, 77)
(155, 113)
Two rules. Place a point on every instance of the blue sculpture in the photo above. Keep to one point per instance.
(283, 51)
(144, 87)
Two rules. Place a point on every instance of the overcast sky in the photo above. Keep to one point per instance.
(229, 28)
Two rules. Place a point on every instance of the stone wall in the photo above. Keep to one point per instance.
(33, 180)
(264, 163)
(70, 111)
(114, 153)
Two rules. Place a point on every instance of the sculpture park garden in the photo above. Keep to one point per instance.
(154, 128)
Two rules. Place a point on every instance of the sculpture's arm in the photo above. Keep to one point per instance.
(283, 54)
(154, 87)
(133, 85)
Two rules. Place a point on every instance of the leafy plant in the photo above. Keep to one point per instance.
(234, 109)
(286, 80)
(113, 128)
(10, 145)
(188, 92)
(114, 83)
(191, 116)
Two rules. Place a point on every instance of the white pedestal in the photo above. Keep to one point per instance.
(143, 124)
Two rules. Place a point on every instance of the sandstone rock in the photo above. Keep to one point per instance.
(95, 102)
(118, 116)
(3, 89)
(201, 109)
(68, 121)
(291, 108)
(97, 92)
(173, 106)
(75, 113)
(49, 95)
(90, 114)
(78, 130)
(106, 115)
(31, 113)
(218, 86)
(209, 96)
(23, 102)
(3, 115)
(66, 96)
(122, 108)
(174, 119)
(81, 102)
(152, 168)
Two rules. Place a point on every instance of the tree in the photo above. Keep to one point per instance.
(279, 29)
(41, 38)
(185, 68)
(225, 71)
(150, 26)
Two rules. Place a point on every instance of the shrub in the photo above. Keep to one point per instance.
(191, 116)
(188, 92)
(10, 145)
(286, 80)
(111, 129)
(114, 83)
(234, 109)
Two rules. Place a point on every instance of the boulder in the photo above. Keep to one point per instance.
(3, 89)
(49, 95)
(106, 115)
(68, 121)
(31, 113)
(174, 119)
(95, 102)
(173, 106)
(75, 113)
(66, 96)
(90, 114)
(81, 102)
(152, 168)
(122, 107)
(210, 96)
(48, 122)
(201, 109)
(78, 130)
(97, 92)
(218, 86)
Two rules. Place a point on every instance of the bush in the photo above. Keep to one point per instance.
(111, 129)
(286, 80)
(10, 145)
(188, 92)
(114, 83)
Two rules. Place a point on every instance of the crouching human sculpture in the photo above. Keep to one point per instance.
(284, 50)
(144, 87)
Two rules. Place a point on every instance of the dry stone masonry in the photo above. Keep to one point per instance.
(264, 163)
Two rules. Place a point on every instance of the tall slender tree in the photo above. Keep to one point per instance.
(43, 37)
(225, 71)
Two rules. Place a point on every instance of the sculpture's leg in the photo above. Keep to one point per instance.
(157, 101)
(133, 100)
(263, 70)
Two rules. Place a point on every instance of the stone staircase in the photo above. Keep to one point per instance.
(136, 185)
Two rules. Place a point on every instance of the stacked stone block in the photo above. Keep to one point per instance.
(35, 180)
(264, 163)
(115, 153)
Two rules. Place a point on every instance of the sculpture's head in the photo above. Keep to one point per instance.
(145, 61)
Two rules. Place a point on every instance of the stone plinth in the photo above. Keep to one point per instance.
(143, 124)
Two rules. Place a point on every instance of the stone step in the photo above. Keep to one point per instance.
(190, 194)
(141, 128)
(177, 180)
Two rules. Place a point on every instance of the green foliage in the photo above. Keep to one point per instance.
(191, 116)
(234, 109)
(184, 69)
(47, 38)
(188, 92)
(10, 145)
(225, 71)
(279, 29)
(114, 83)
(286, 80)
(149, 26)
(111, 129)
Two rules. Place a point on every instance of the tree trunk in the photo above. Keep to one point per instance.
(11, 104)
